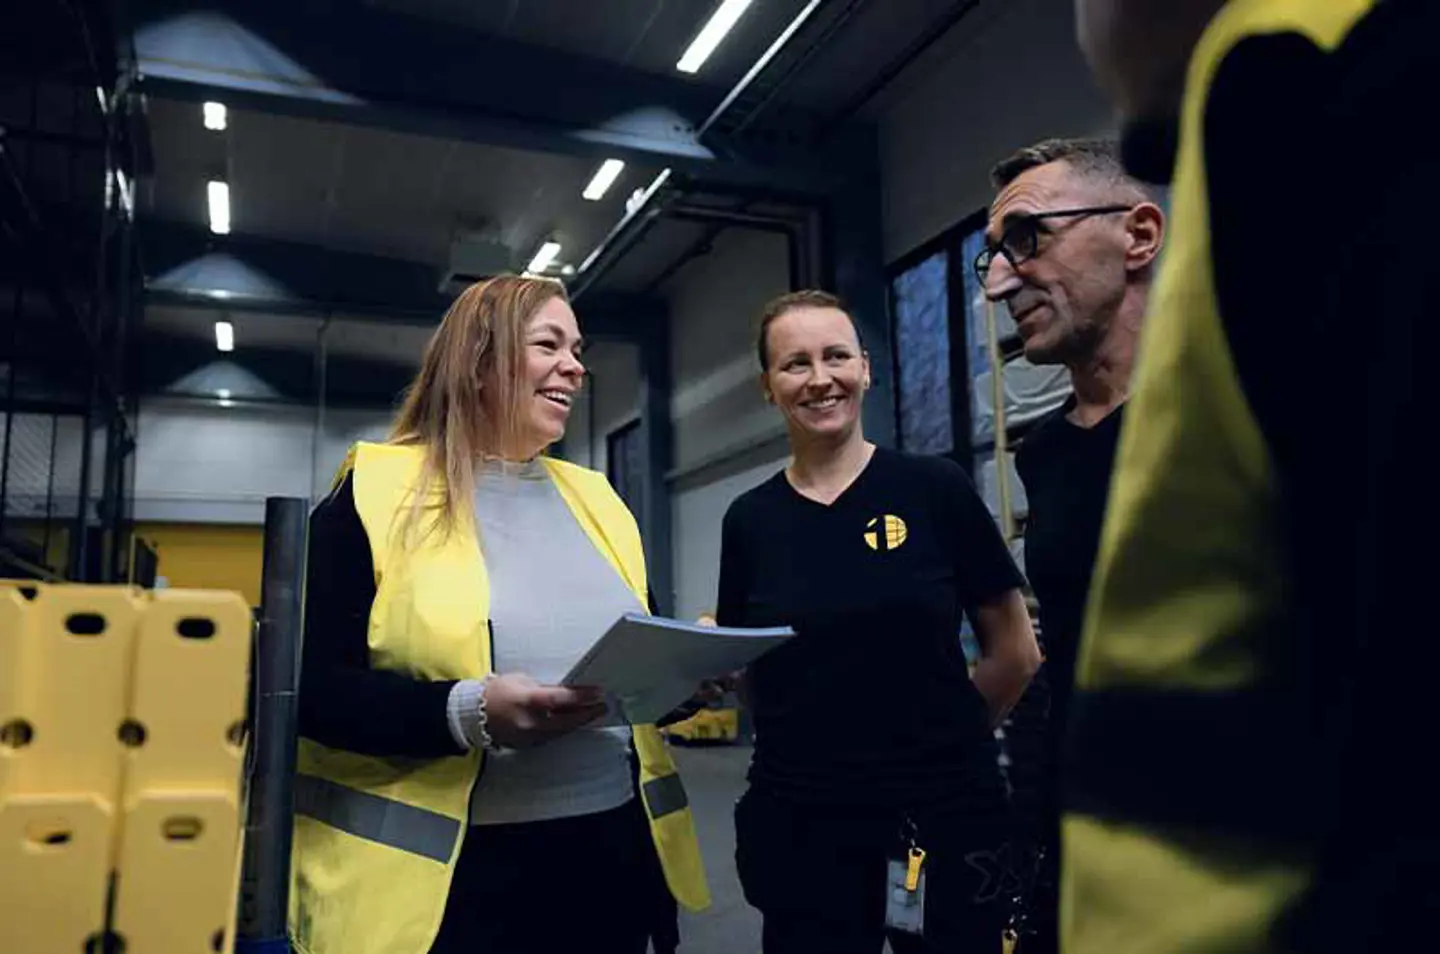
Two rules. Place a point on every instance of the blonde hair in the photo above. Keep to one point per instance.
(479, 345)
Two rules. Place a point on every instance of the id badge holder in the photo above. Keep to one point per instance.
(905, 893)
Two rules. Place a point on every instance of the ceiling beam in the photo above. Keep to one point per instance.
(179, 366)
(352, 63)
(190, 267)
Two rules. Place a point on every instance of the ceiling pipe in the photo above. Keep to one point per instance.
(640, 217)
(624, 236)
(794, 69)
(704, 245)
(800, 233)
(741, 217)
(759, 66)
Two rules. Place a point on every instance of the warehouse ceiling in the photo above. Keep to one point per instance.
(359, 181)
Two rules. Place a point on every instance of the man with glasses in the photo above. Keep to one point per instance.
(1070, 248)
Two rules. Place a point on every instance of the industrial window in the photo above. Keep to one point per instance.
(977, 338)
(921, 297)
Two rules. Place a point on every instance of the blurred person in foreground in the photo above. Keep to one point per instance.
(451, 797)
(1071, 248)
(1249, 759)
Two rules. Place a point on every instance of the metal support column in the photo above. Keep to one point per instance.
(110, 499)
(657, 438)
(265, 881)
(856, 272)
(80, 529)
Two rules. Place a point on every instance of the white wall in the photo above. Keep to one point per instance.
(613, 399)
(1009, 74)
(714, 301)
(211, 464)
(698, 510)
(194, 462)
(39, 478)
(727, 439)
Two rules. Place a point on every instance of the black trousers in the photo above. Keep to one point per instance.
(590, 883)
(1040, 933)
(817, 876)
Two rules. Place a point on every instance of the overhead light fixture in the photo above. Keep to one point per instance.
(719, 24)
(215, 116)
(219, 195)
(224, 336)
(603, 179)
(543, 258)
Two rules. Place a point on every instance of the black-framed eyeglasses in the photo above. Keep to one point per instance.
(1021, 238)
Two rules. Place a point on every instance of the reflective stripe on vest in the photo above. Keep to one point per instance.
(374, 818)
(421, 832)
(665, 795)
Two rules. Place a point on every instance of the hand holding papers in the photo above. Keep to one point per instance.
(650, 665)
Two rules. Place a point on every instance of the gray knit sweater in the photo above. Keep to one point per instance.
(552, 594)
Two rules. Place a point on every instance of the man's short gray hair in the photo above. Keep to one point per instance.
(1094, 159)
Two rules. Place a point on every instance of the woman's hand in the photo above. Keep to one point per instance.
(521, 713)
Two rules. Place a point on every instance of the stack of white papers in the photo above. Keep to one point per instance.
(649, 665)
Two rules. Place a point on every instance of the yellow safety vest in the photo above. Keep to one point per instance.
(376, 839)
(1177, 836)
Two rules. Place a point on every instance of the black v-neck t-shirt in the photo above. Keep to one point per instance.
(871, 703)
(1066, 471)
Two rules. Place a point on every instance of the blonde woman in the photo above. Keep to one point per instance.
(451, 796)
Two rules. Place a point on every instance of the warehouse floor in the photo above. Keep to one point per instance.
(715, 778)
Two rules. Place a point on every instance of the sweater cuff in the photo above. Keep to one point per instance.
(462, 711)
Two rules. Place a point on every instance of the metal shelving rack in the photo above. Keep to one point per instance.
(71, 150)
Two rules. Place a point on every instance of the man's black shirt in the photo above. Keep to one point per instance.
(871, 704)
(1066, 471)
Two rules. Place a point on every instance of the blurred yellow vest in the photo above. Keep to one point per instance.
(376, 839)
(1171, 843)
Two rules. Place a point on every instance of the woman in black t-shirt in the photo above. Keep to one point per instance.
(871, 736)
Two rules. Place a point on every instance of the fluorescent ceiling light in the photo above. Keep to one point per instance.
(720, 23)
(215, 116)
(543, 258)
(219, 195)
(224, 336)
(604, 178)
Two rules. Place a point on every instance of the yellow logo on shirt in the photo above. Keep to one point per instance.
(890, 537)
